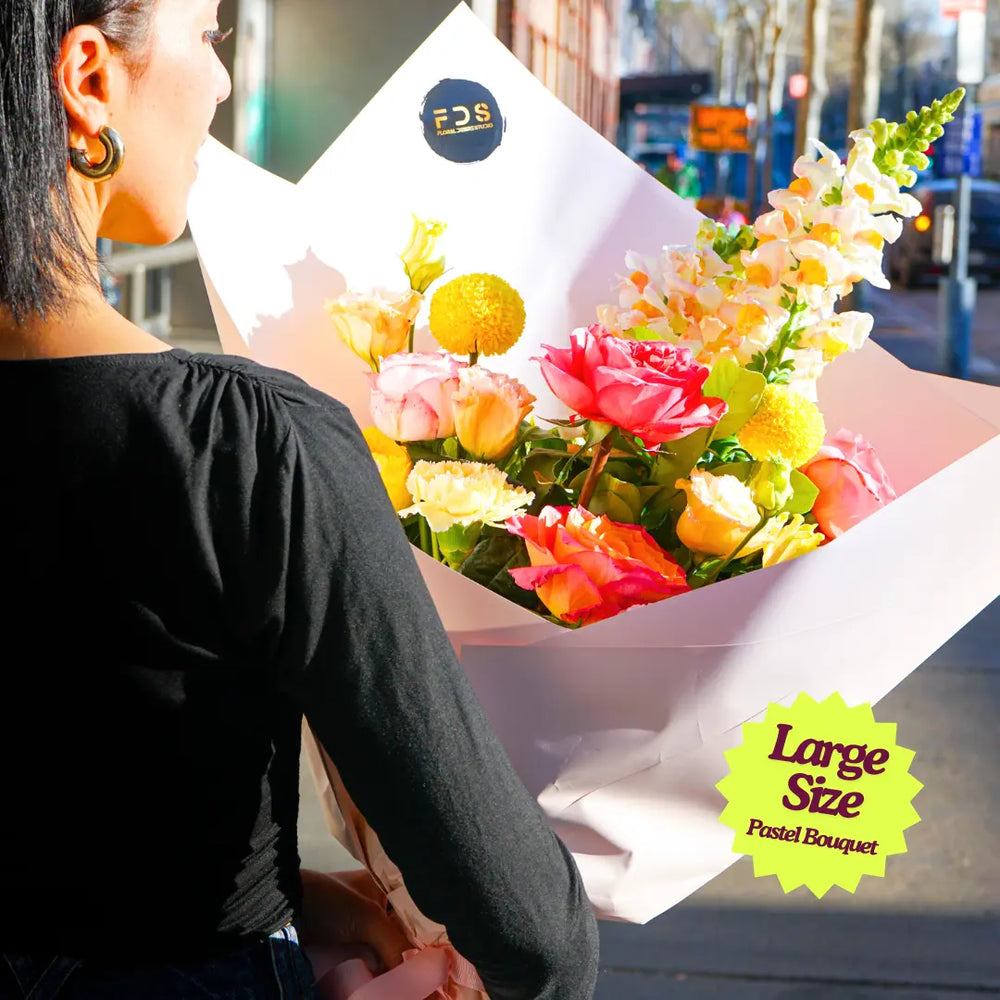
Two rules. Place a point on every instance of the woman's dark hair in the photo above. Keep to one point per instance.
(41, 248)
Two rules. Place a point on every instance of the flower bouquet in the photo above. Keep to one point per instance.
(695, 451)
(662, 547)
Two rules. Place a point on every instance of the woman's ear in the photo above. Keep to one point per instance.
(88, 74)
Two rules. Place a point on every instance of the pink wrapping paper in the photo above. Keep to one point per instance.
(433, 966)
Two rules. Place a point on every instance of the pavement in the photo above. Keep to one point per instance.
(929, 930)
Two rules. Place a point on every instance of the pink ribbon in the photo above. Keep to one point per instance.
(423, 972)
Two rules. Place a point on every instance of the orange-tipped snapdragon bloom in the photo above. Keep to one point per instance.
(585, 568)
(489, 408)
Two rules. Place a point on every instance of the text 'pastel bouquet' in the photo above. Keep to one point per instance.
(695, 450)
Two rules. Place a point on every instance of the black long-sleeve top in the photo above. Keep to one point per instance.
(196, 550)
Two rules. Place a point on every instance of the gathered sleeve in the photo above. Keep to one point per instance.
(353, 638)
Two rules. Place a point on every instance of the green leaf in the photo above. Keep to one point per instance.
(723, 451)
(597, 432)
(543, 466)
(531, 433)
(677, 458)
(642, 333)
(425, 451)
(556, 422)
(616, 498)
(741, 470)
(661, 510)
(804, 494)
(490, 562)
(740, 388)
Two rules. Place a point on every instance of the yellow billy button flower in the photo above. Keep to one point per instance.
(463, 493)
(489, 408)
(422, 267)
(785, 426)
(477, 314)
(394, 466)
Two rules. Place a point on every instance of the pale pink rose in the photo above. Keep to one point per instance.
(851, 480)
(650, 388)
(412, 396)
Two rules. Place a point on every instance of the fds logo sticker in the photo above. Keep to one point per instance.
(462, 121)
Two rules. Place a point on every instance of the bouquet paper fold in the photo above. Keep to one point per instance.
(618, 728)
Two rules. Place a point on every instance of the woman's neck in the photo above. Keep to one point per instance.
(85, 327)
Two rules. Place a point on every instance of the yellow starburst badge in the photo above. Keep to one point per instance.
(819, 794)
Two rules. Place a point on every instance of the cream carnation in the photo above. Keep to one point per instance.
(450, 493)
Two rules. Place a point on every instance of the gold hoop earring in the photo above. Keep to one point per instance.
(114, 156)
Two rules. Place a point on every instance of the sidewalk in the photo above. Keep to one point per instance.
(907, 324)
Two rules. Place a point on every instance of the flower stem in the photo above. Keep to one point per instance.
(739, 548)
(425, 536)
(413, 327)
(435, 548)
(597, 464)
(777, 352)
(473, 357)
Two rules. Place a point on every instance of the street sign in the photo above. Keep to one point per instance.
(970, 47)
(962, 147)
(953, 8)
(719, 129)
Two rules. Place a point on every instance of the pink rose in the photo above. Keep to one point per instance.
(851, 481)
(585, 568)
(412, 396)
(651, 389)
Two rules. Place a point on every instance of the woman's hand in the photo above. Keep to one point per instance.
(344, 908)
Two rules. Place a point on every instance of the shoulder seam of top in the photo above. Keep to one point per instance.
(208, 361)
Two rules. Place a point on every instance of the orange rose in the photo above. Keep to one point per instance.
(585, 568)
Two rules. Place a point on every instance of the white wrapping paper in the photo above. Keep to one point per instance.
(619, 728)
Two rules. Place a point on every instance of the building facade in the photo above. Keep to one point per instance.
(572, 47)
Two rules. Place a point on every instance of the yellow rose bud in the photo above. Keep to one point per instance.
(489, 409)
(422, 267)
(376, 325)
(394, 466)
(477, 314)
(786, 426)
(720, 513)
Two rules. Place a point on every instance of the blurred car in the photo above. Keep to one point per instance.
(910, 258)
